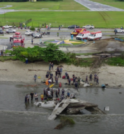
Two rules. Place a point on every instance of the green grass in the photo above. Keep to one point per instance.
(60, 5)
(114, 3)
(115, 61)
(121, 38)
(85, 54)
(110, 20)
(77, 43)
(86, 62)
(64, 45)
(5, 58)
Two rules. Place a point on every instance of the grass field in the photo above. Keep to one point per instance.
(61, 5)
(98, 19)
(114, 3)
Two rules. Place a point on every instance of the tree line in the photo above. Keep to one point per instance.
(50, 53)
(25, 0)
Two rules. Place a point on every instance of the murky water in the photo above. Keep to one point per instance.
(14, 119)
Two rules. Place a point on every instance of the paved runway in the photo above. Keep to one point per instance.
(94, 6)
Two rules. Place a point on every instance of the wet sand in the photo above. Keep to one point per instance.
(20, 72)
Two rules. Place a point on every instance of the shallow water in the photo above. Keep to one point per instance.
(16, 118)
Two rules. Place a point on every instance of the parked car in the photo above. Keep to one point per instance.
(73, 26)
(77, 31)
(89, 27)
(95, 35)
(83, 35)
(37, 35)
(10, 30)
(28, 32)
(119, 30)
(7, 26)
(1, 31)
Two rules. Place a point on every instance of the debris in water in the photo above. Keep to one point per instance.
(64, 121)
(107, 108)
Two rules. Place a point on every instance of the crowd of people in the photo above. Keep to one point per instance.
(48, 94)
(70, 80)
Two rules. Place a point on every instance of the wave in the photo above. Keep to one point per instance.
(23, 112)
(45, 113)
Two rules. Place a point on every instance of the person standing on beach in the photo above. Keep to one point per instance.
(26, 99)
(49, 94)
(35, 78)
(32, 95)
(56, 80)
(42, 97)
(76, 85)
(52, 93)
(36, 96)
(60, 70)
(44, 92)
(69, 81)
(73, 76)
(56, 94)
(57, 72)
(58, 91)
(97, 80)
(68, 94)
(66, 75)
(86, 79)
(51, 77)
(63, 92)
(90, 77)
(52, 65)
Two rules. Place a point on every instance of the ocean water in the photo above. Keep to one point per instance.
(16, 118)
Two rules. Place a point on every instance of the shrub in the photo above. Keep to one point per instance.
(32, 28)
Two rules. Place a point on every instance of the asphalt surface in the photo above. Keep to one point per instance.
(94, 6)
(64, 33)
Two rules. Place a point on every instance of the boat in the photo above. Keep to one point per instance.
(45, 104)
(74, 106)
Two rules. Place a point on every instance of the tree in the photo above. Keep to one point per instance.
(50, 53)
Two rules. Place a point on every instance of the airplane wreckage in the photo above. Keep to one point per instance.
(74, 106)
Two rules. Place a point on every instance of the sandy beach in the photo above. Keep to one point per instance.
(17, 71)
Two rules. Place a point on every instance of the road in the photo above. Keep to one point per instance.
(64, 33)
(94, 6)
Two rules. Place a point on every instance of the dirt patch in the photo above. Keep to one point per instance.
(107, 45)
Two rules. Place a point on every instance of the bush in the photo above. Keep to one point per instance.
(32, 28)
(50, 53)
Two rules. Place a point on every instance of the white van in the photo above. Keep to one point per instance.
(95, 36)
(83, 35)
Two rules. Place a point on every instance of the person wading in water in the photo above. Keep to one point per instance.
(32, 95)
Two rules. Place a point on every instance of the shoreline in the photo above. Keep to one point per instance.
(17, 71)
